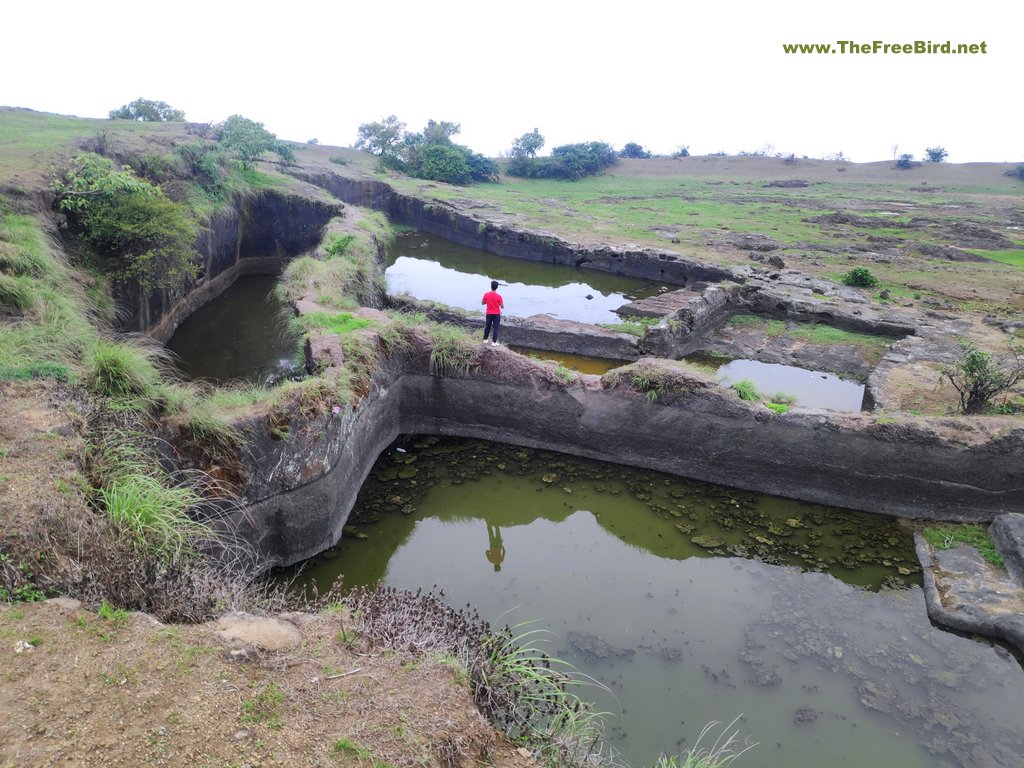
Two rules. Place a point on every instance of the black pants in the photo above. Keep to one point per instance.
(492, 321)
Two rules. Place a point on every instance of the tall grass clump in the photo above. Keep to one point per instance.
(747, 390)
(16, 294)
(45, 316)
(155, 516)
(343, 272)
(454, 352)
(726, 749)
(127, 373)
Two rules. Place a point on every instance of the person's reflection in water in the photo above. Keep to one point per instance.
(496, 551)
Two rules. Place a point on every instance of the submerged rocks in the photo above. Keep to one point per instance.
(595, 647)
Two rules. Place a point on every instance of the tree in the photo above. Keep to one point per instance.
(527, 145)
(247, 140)
(440, 132)
(978, 377)
(635, 151)
(147, 111)
(683, 151)
(935, 154)
(905, 161)
(381, 137)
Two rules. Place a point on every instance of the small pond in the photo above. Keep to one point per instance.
(581, 363)
(812, 389)
(428, 267)
(241, 334)
(692, 603)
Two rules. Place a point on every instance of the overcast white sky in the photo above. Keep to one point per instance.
(711, 75)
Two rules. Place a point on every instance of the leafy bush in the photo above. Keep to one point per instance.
(205, 163)
(860, 277)
(569, 161)
(133, 230)
(935, 154)
(978, 377)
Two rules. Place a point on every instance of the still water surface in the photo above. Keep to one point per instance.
(812, 389)
(693, 603)
(238, 335)
(428, 267)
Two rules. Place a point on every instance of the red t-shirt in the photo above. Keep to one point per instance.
(494, 302)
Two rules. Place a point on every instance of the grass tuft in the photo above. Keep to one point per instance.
(726, 749)
(973, 534)
(155, 516)
(747, 390)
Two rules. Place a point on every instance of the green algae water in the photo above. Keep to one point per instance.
(238, 335)
(430, 268)
(581, 363)
(692, 603)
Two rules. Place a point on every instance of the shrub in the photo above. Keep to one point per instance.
(134, 232)
(935, 154)
(905, 161)
(569, 162)
(860, 277)
(205, 163)
(978, 377)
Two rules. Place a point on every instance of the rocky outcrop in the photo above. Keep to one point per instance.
(1008, 535)
(967, 594)
(447, 220)
(298, 479)
(537, 331)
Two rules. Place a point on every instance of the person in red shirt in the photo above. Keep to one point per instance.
(494, 303)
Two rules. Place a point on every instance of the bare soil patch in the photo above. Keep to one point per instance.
(83, 690)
